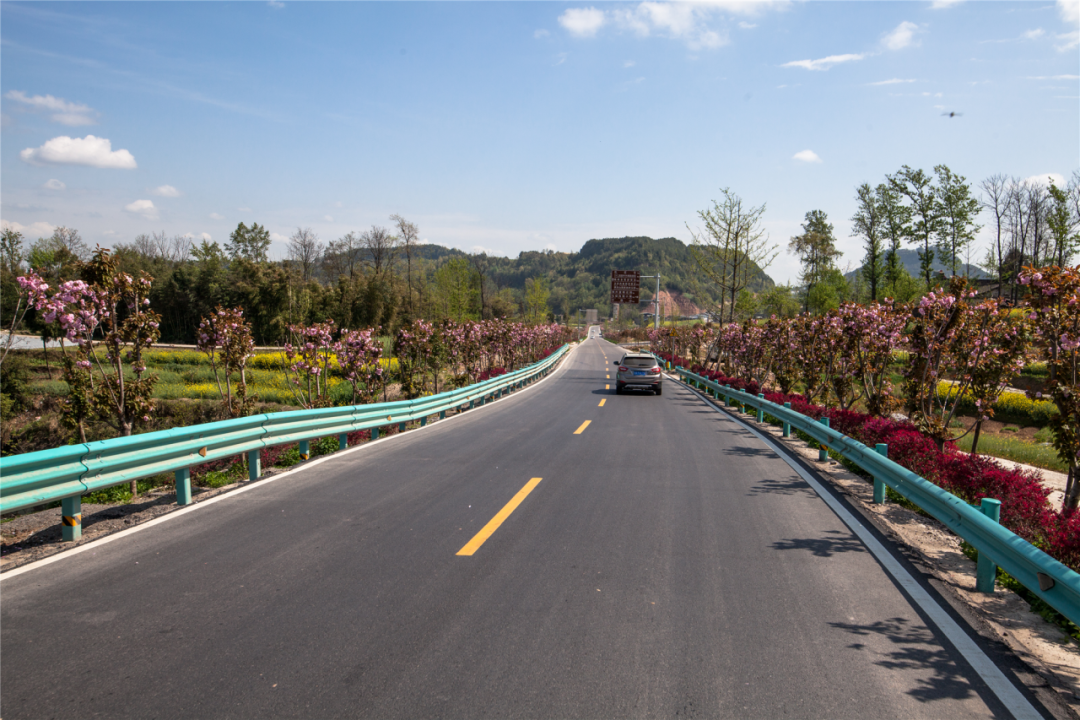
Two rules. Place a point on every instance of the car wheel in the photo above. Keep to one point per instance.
(618, 389)
(658, 390)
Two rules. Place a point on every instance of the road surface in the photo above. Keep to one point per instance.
(655, 558)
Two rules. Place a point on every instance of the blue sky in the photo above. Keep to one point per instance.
(513, 126)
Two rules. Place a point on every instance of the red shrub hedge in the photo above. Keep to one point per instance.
(1024, 506)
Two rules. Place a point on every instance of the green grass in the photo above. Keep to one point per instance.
(1041, 456)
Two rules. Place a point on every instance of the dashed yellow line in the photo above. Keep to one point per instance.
(607, 387)
(480, 537)
(602, 402)
(582, 428)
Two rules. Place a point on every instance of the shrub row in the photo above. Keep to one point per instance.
(1025, 508)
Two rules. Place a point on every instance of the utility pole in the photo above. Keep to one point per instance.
(656, 299)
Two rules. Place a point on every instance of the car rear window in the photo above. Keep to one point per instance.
(639, 362)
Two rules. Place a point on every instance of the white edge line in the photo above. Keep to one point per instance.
(262, 482)
(1010, 697)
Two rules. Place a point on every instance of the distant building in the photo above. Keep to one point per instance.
(591, 317)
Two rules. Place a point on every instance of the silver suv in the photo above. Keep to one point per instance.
(638, 371)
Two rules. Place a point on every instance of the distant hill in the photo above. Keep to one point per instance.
(581, 280)
(910, 260)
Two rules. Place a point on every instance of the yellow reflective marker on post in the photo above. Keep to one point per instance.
(582, 428)
(602, 402)
(486, 532)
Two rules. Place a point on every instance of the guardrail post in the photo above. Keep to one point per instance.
(254, 465)
(342, 441)
(71, 509)
(442, 414)
(423, 421)
(375, 433)
(761, 410)
(880, 498)
(727, 396)
(183, 486)
(787, 425)
(823, 453)
(986, 569)
(304, 448)
(401, 427)
(471, 404)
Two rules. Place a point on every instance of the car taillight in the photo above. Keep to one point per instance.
(623, 368)
(655, 370)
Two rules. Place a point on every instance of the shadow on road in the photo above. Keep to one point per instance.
(744, 451)
(916, 648)
(823, 546)
(791, 486)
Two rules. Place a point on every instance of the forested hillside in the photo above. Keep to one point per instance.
(363, 280)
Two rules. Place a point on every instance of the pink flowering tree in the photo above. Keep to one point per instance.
(1055, 321)
(225, 338)
(974, 348)
(359, 353)
(878, 329)
(106, 315)
(416, 346)
(307, 363)
(781, 341)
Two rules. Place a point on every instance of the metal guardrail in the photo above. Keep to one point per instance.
(67, 473)
(1044, 576)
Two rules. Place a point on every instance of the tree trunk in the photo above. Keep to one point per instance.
(1072, 491)
(975, 439)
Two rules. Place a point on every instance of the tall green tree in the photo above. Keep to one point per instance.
(1063, 224)
(816, 250)
(925, 210)
(249, 243)
(455, 290)
(957, 210)
(536, 299)
(895, 217)
(867, 223)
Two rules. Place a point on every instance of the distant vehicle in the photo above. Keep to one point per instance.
(638, 371)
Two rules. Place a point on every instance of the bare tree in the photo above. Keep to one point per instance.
(343, 256)
(995, 199)
(380, 248)
(481, 263)
(70, 240)
(732, 245)
(305, 248)
(409, 236)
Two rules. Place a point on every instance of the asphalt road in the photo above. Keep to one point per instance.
(668, 563)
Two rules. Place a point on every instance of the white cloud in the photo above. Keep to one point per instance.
(90, 150)
(1070, 10)
(165, 191)
(38, 229)
(278, 237)
(1054, 77)
(807, 156)
(629, 64)
(54, 185)
(582, 22)
(276, 4)
(243, 209)
(824, 63)
(551, 247)
(478, 249)
(893, 81)
(216, 216)
(1068, 40)
(560, 59)
(944, 4)
(206, 237)
(684, 21)
(541, 33)
(64, 112)
(1044, 179)
(142, 208)
(1033, 34)
(328, 218)
(901, 36)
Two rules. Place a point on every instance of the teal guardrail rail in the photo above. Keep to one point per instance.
(67, 473)
(1047, 578)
